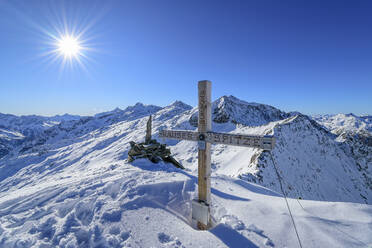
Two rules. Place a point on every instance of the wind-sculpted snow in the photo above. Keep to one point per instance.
(75, 189)
(146, 205)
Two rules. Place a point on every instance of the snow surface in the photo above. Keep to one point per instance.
(345, 122)
(72, 186)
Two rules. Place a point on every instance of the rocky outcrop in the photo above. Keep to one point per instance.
(153, 151)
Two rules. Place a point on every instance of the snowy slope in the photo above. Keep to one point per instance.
(109, 203)
(356, 133)
(35, 130)
(345, 122)
(32, 122)
(17, 130)
(77, 190)
(313, 162)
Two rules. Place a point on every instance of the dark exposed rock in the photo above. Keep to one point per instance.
(153, 151)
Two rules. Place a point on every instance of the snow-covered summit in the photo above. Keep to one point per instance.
(231, 109)
(181, 105)
(69, 185)
(172, 110)
(16, 131)
(129, 113)
(233, 115)
(117, 110)
(142, 109)
(65, 117)
(28, 122)
(345, 123)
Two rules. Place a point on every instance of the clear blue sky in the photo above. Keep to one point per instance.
(309, 56)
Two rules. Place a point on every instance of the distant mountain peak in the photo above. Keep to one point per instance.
(107, 113)
(232, 100)
(340, 123)
(172, 110)
(232, 109)
(139, 104)
(142, 108)
(235, 100)
(180, 104)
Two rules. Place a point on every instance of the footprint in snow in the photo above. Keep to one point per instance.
(256, 230)
(112, 216)
(238, 225)
(169, 241)
(164, 238)
(233, 221)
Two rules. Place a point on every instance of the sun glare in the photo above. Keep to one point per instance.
(69, 40)
(69, 49)
(69, 46)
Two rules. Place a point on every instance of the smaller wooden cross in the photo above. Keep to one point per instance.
(205, 137)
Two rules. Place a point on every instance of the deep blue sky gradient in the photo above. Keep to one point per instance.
(307, 56)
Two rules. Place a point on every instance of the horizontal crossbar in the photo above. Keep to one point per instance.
(266, 142)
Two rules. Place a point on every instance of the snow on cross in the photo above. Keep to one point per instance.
(205, 137)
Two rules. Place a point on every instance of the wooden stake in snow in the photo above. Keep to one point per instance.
(148, 130)
(205, 137)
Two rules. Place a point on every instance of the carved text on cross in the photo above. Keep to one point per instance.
(265, 142)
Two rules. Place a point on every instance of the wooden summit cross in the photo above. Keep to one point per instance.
(205, 137)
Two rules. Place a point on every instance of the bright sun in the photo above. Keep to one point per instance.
(69, 46)
(69, 49)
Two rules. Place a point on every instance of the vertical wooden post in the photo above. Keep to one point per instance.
(204, 152)
(148, 130)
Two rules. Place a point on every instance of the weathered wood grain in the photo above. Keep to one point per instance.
(266, 142)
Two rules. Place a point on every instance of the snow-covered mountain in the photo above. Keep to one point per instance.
(32, 122)
(356, 132)
(311, 157)
(314, 163)
(345, 122)
(69, 184)
(29, 129)
(231, 109)
(19, 134)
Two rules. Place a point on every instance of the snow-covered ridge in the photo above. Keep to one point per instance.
(23, 122)
(345, 122)
(131, 112)
(231, 109)
(69, 185)
(301, 146)
(314, 164)
(356, 133)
